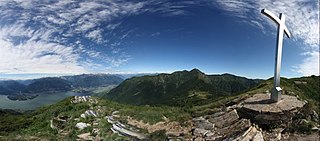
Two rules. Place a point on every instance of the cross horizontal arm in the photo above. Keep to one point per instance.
(276, 20)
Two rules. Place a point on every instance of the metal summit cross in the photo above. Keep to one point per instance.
(276, 91)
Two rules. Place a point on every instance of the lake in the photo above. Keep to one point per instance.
(41, 100)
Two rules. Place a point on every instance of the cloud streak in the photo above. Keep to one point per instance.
(69, 36)
(38, 36)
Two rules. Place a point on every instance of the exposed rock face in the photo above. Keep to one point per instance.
(226, 126)
(224, 119)
(203, 123)
(123, 129)
(260, 110)
(79, 99)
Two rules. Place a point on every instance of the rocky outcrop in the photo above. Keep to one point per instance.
(123, 129)
(225, 126)
(79, 99)
(263, 112)
(58, 122)
(222, 119)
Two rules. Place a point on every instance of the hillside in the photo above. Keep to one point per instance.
(49, 84)
(9, 87)
(97, 112)
(307, 88)
(179, 88)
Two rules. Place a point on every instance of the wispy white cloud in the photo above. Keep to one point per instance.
(36, 56)
(302, 19)
(310, 65)
(35, 35)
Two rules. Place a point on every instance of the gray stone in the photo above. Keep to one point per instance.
(315, 116)
(209, 134)
(225, 119)
(202, 123)
(258, 137)
(82, 125)
(236, 128)
(85, 136)
(262, 111)
(199, 139)
(200, 132)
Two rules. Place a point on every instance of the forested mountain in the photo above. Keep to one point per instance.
(48, 84)
(8, 87)
(179, 88)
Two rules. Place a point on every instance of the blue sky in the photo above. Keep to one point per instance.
(55, 38)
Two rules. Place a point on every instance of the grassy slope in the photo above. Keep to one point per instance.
(309, 92)
(37, 124)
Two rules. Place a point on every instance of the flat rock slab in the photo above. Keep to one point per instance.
(225, 119)
(261, 103)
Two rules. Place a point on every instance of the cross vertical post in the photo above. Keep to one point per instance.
(276, 91)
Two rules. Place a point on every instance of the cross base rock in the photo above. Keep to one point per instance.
(276, 94)
(263, 111)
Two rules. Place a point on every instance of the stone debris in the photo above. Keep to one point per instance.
(95, 131)
(224, 119)
(202, 123)
(122, 129)
(200, 132)
(79, 99)
(82, 125)
(235, 129)
(58, 122)
(126, 131)
(85, 136)
(315, 116)
(172, 129)
(110, 119)
(90, 113)
(115, 113)
(251, 134)
(227, 126)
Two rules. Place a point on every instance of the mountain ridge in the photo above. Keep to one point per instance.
(53, 84)
(178, 88)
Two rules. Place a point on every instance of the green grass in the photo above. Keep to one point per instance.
(309, 92)
(37, 123)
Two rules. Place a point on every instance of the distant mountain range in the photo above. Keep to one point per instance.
(53, 84)
(179, 88)
(8, 87)
(93, 80)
